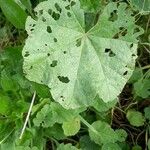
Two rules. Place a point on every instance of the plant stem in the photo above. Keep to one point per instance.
(6, 137)
(28, 115)
(88, 125)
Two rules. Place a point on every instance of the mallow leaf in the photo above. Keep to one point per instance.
(103, 133)
(142, 88)
(71, 127)
(122, 135)
(135, 118)
(101, 106)
(77, 65)
(55, 113)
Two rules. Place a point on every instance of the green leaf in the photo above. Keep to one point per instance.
(136, 147)
(143, 6)
(54, 113)
(137, 74)
(77, 65)
(40, 105)
(124, 146)
(66, 147)
(102, 133)
(87, 144)
(122, 135)
(135, 118)
(101, 106)
(5, 103)
(7, 83)
(111, 146)
(27, 4)
(43, 117)
(14, 13)
(148, 145)
(147, 112)
(55, 131)
(91, 5)
(142, 88)
(42, 90)
(71, 127)
(12, 60)
(61, 115)
(3, 32)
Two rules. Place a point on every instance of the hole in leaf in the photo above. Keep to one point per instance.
(62, 98)
(58, 7)
(54, 63)
(125, 73)
(48, 54)
(31, 67)
(113, 16)
(49, 30)
(133, 55)
(31, 29)
(63, 79)
(65, 52)
(115, 11)
(45, 44)
(78, 42)
(43, 19)
(124, 32)
(55, 16)
(131, 45)
(116, 36)
(136, 30)
(73, 3)
(55, 40)
(68, 14)
(107, 50)
(40, 12)
(26, 54)
(121, 28)
(50, 11)
(67, 7)
(112, 54)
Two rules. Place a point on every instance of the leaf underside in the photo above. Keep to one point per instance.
(75, 65)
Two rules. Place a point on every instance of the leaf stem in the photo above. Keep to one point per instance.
(135, 103)
(88, 125)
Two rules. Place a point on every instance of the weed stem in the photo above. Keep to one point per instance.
(28, 115)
